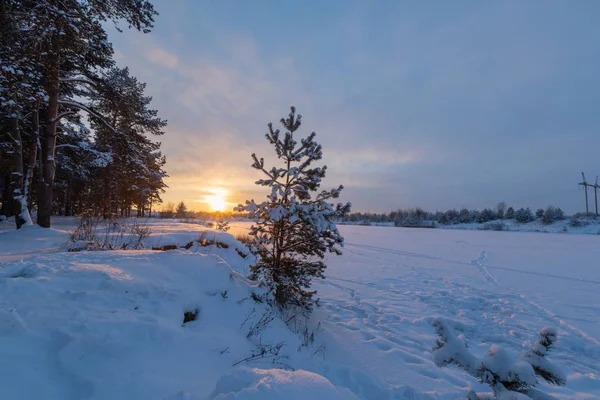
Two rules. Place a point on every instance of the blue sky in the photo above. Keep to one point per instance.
(434, 104)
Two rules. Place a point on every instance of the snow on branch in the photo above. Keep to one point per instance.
(72, 103)
(78, 80)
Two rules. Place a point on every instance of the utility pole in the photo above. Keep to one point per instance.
(585, 185)
(596, 186)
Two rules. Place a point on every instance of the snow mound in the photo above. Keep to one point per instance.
(274, 384)
(110, 325)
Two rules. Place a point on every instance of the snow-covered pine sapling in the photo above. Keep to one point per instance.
(536, 358)
(295, 227)
(221, 223)
(509, 376)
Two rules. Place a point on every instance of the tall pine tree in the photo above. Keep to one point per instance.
(74, 45)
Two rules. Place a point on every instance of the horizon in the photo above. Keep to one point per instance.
(462, 105)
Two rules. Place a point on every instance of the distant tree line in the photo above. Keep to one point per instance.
(180, 211)
(75, 129)
(420, 217)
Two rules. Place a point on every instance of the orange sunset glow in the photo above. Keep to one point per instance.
(216, 200)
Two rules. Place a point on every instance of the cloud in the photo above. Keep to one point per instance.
(158, 55)
(411, 106)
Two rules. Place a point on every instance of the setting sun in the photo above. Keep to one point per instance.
(215, 199)
(216, 202)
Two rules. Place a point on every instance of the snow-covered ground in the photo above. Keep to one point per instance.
(581, 226)
(109, 325)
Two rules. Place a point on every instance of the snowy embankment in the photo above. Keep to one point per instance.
(109, 325)
(579, 226)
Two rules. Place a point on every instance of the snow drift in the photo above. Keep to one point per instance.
(110, 325)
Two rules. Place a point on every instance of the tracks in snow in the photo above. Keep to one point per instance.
(472, 263)
(479, 263)
(389, 317)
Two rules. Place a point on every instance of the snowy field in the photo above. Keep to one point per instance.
(581, 226)
(109, 325)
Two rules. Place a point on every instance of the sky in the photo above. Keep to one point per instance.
(432, 104)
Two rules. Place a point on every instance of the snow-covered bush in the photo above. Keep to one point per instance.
(524, 215)
(486, 215)
(511, 377)
(575, 222)
(221, 224)
(451, 217)
(95, 233)
(552, 214)
(494, 226)
(293, 230)
(539, 213)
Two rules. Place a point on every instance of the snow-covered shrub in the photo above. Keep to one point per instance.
(575, 222)
(293, 229)
(552, 214)
(94, 234)
(510, 376)
(486, 215)
(524, 215)
(221, 224)
(451, 217)
(138, 232)
(539, 213)
(494, 226)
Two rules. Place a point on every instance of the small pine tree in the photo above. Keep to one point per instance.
(509, 377)
(539, 213)
(221, 223)
(552, 214)
(464, 217)
(293, 229)
(510, 213)
(524, 215)
(486, 215)
(181, 211)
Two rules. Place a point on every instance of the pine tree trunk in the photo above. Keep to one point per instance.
(6, 203)
(37, 172)
(20, 203)
(32, 156)
(68, 199)
(48, 165)
(16, 175)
